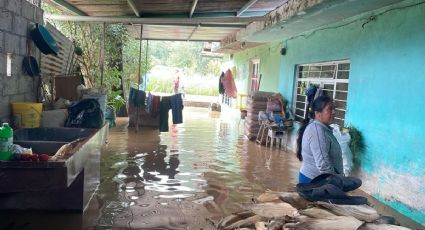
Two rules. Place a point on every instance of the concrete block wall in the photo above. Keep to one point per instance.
(17, 18)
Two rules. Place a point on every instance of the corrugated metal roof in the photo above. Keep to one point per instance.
(176, 9)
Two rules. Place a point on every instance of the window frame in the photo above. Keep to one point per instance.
(321, 81)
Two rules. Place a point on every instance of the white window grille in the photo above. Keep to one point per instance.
(331, 77)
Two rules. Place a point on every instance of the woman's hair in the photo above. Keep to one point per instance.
(318, 105)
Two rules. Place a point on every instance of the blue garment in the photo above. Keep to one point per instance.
(278, 120)
(137, 97)
(177, 108)
(303, 178)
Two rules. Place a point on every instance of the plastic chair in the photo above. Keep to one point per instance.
(261, 132)
(274, 133)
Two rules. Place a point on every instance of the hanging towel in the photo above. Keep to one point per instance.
(177, 108)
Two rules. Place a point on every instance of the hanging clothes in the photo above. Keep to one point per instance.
(149, 102)
(229, 84)
(165, 107)
(220, 84)
(137, 97)
(156, 104)
(177, 108)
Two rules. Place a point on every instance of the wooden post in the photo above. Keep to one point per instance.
(102, 55)
(146, 63)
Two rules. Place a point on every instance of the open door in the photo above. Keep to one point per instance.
(254, 75)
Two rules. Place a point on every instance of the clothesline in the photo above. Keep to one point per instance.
(159, 105)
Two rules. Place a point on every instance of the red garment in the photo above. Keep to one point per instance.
(229, 84)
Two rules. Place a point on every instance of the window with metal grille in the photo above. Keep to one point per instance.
(331, 77)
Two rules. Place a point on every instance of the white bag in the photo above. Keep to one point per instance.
(344, 141)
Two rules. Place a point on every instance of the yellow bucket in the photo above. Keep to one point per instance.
(27, 114)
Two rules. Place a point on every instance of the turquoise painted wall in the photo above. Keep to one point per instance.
(269, 66)
(385, 100)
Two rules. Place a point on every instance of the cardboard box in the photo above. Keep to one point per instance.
(66, 86)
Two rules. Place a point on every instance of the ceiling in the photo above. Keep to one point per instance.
(178, 20)
(161, 7)
(236, 24)
(181, 33)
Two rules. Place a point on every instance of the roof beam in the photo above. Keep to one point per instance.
(133, 7)
(192, 9)
(134, 20)
(205, 25)
(206, 15)
(181, 40)
(193, 31)
(70, 7)
(245, 7)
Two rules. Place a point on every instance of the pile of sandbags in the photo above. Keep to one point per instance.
(284, 210)
(256, 102)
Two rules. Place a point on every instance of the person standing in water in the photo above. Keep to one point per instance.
(176, 82)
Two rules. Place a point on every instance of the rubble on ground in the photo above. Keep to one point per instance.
(286, 210)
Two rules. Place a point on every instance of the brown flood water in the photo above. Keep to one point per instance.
(196, 173)
(201, 169)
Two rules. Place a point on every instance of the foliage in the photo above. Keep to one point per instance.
(196, 85)
(120, 53)
(214, 67)
(121, 62)
(160, 85)
(357, 144)
(131, 61)
(115, 100)
(185, 55)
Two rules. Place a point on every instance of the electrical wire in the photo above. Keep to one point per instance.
(367, 20)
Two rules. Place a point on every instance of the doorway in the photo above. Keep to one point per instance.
(254, 75)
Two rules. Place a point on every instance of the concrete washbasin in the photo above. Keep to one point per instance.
(62, 185)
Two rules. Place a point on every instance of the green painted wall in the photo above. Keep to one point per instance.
(269, 66)
(385, 100)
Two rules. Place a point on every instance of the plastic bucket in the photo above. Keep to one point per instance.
(27, 114)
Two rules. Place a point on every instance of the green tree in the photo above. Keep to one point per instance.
(214, 67)
(131, 61)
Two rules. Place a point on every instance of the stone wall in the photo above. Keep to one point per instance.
(17, 17)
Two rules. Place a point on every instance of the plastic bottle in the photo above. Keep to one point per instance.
(6, 141)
